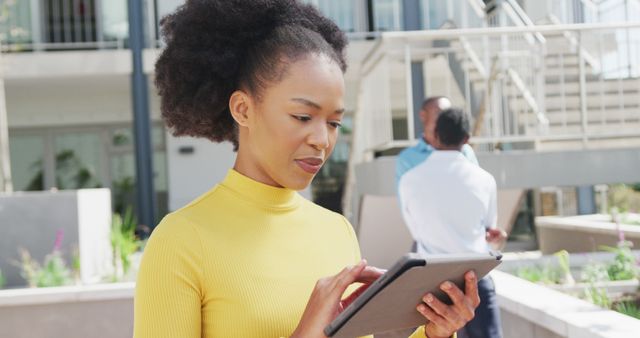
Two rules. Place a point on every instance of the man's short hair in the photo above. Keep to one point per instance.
(452, 127)
(431, 100)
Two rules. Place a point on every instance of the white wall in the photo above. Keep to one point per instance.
(191, 175)
(69, 101)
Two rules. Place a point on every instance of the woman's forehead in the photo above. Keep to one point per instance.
(314, 78)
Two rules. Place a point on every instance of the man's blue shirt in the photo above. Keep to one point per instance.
(412, 156)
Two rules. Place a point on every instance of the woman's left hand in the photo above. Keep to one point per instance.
(444, 320)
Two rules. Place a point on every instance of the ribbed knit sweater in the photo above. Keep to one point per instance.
(239, 261)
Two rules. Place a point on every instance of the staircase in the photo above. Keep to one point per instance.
(536, 87)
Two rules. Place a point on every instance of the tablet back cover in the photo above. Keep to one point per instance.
(394, 307)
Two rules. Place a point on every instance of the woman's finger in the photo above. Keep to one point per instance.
(355, 294)
(347, 276)
(370, 274)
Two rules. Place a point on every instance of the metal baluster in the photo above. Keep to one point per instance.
(409, 88)
(583, 94)
(77, 23)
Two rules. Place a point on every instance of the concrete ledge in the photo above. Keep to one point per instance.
(66, 294)
(581, 233)
(557, 314)
(96, 311)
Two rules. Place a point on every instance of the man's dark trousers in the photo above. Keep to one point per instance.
(486, 323)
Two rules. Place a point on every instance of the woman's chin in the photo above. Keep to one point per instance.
(298, 182)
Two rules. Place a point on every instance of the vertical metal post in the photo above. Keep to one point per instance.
(6, 184)
(371, 20)
(583, 91)
(145, 194)
(100, 20)
(412, 21)
(626, 19)
(37, 17)
(411, 132)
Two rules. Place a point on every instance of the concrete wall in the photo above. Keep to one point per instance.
(103, 311)
(533, 311)
(31, 220)
(581, 233)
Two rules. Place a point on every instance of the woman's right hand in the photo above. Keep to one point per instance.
(326, 300)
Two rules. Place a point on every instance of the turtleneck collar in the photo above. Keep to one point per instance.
(260, 193)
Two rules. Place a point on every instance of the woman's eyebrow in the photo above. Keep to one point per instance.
(313, 104)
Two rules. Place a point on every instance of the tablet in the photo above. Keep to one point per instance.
(390, 302)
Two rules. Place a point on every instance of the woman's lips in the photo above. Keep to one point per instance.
(310, 165)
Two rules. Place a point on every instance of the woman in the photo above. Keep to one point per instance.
(250, 258)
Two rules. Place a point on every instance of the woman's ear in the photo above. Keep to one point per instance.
(239, 105)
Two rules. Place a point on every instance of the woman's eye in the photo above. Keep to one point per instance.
(303, 118)
(335, 124)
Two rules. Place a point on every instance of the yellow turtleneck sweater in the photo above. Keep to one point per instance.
(239, 261)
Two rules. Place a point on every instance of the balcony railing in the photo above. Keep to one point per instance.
(527, 94)
(45, 25)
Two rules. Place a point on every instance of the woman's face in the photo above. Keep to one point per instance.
(291, 130)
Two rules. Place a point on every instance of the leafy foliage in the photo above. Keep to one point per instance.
(624, 265)
(628, 308)
(53, 272)
(598, 296)
(540, 274)
(123, 240)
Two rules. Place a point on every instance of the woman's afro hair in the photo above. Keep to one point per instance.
(214, 47)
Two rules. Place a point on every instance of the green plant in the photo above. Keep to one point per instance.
(628, 308)
(565, 266)
(123, 241)
(75, 264)
(624, 265)
(3, 280)
(598, 296)
(595, 272)
(53, 272)
(537, 274)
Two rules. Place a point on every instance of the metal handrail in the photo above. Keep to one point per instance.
(528, 97)
(42, 46)
(417, 36)
(473, 56)
(590, 59)
(516, 12)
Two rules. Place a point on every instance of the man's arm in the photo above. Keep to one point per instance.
(494, 234)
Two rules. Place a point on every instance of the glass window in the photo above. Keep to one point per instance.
(340, 11)
(78, 160)
(123, 137)
(27, 167)
(388, 15)
(15, 22)
(114, 20)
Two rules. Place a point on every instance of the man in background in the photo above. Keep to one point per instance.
(412, 156)
(449, 205)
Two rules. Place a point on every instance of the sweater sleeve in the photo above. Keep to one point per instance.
(168, 292)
